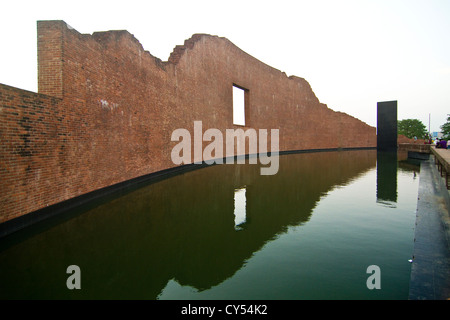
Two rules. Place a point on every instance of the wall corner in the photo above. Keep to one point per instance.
(50, 57)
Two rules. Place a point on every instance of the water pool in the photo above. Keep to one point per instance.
(226, 232)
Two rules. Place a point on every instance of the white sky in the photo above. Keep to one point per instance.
(353, 53)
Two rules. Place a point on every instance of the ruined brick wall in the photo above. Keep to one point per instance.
(106, 109)
(32, 133)
(402, 139)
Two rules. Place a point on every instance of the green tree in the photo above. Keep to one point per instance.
(446, 129)
(412, 128)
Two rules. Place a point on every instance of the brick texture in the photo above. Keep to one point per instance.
(106, 109)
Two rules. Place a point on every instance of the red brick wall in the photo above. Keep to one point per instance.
(401, 139)
(115, 106)
(31, 151)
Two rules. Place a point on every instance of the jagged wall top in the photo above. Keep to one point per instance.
(113, 36)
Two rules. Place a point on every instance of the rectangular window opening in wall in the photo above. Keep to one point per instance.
(240, 101)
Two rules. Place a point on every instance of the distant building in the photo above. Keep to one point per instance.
(437, 135)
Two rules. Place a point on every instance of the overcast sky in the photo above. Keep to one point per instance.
(353, 53)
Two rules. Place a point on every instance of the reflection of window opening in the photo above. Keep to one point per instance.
(239, 97)
(240, 200)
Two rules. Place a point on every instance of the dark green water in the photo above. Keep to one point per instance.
(226, 232)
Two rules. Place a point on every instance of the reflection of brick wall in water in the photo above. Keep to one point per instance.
(106, 110)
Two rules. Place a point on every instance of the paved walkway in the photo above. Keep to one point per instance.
(444, 153)
(442, 159)
(430, 273)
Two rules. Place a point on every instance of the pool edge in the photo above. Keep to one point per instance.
(430, 270)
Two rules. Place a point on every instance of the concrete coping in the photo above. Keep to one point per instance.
(430, 271)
